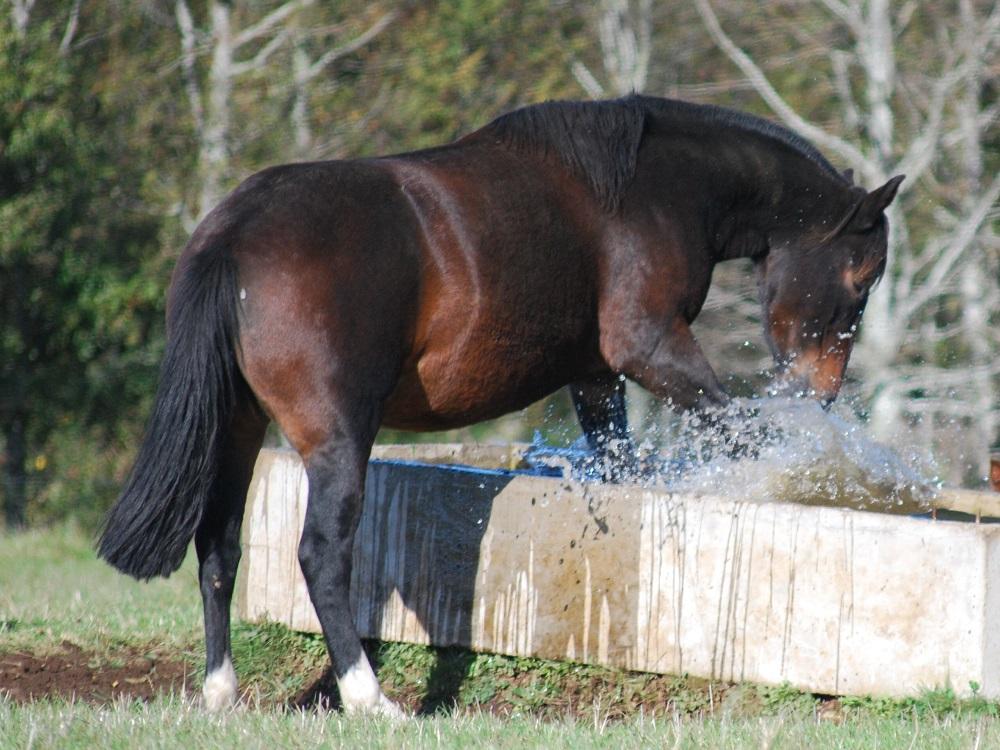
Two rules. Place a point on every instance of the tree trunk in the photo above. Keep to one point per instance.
(15, 476)
(975, 279)
(214, 146)
(300, 103)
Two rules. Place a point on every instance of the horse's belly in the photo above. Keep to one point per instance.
(464, 385)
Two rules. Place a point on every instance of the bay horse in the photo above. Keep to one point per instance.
(564, 243)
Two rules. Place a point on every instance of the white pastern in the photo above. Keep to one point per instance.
(360, 692)
(220, 687)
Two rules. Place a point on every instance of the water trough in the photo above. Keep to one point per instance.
(456, 547)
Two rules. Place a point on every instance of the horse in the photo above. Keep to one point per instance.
(563, 244)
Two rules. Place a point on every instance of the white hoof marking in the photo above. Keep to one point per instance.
(220, 687)
(360, 692)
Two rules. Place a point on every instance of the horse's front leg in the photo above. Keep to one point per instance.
(600, 407)
(666, 360)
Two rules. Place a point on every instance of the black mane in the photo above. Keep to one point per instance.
(600, 140)
(597, 140)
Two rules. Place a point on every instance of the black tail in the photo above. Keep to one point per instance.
(148, 530)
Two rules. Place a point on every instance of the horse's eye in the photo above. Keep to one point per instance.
(865, 273)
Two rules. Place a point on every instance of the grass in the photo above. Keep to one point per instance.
(53, 591)
(178, 723)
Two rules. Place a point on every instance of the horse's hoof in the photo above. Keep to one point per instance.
(220, 688)
(390, 710)
(383, 708)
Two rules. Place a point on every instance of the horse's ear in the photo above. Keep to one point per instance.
(873, 204)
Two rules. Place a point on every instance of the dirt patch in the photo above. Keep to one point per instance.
(78, 674)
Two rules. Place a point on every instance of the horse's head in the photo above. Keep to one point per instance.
(814, 287)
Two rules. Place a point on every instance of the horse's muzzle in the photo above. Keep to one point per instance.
(815, 375)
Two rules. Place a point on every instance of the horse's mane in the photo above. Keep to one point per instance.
(597, 140)
(600, 140)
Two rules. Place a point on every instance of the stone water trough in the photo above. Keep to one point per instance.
(457, 548)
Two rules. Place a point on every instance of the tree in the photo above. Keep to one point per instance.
(69, 294)
(625, 34)
(307, 69)
(211, 100)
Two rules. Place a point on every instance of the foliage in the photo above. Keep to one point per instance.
(77, 313)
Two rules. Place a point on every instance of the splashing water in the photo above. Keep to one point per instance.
(768, 449)
(803, 454)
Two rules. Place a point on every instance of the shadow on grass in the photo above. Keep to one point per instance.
(425, 681)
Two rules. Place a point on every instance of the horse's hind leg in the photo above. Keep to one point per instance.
(336, 470)
(217, 542)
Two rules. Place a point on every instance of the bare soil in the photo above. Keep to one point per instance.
(73, 673)
(77, 674)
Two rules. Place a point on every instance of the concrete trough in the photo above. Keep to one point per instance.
(830, 600)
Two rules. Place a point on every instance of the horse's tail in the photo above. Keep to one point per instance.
(148, 530)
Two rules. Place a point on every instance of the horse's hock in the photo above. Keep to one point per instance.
(829, 600)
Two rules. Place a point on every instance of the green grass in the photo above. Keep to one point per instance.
(53, 590)
(176, 723)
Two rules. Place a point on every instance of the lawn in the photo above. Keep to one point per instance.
(90, 658)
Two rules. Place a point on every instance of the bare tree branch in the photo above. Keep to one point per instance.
(20, 11)
(921, 151)
(305, 71)
(987, 37)
(625, 34)
(263, 26)
(625, 42)
(877, 53)
(848, 15)
(71, 24)
(847, 151)
(904, 14)
(984, 119)
(185, 25)
(944, 264)
(352, 46)
(260, 59)
(587, 81)
(840, 62)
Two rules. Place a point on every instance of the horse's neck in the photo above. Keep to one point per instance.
(786, 194)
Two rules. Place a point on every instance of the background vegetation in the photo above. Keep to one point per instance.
(123, 122)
